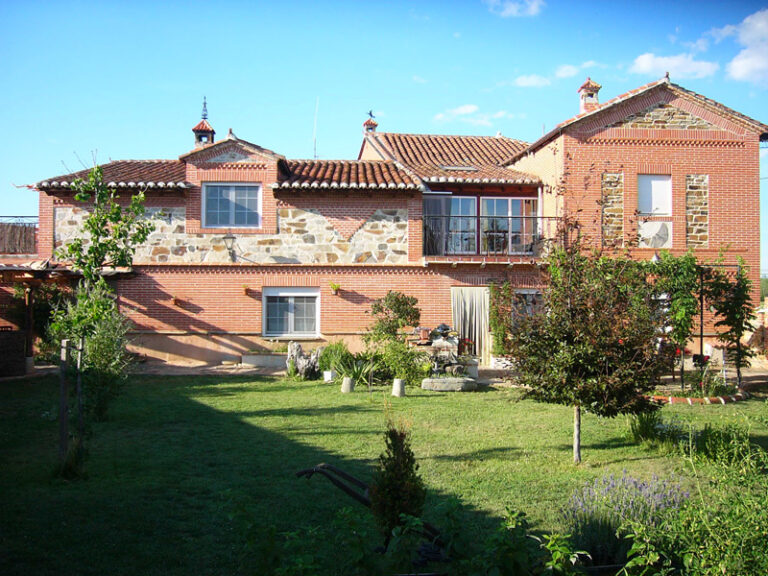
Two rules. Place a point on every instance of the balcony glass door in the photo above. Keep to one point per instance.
(450, 225)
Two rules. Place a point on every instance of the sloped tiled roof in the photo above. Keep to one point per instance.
(203, 126)
(367, 174)
(460, 159)
(128, 173)
(708, 103)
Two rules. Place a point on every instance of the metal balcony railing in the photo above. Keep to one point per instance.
(485, 235)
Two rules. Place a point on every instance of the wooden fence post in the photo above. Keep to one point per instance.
(63, 403)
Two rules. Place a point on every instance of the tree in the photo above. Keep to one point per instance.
(679, 281)
(392, 313)
(732, 301)
(593, 345)
(113, 231)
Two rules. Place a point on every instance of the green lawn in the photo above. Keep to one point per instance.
(183, 462)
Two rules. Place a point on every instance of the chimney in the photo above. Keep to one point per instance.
(370, 124)
(588, 96)
(204, 132)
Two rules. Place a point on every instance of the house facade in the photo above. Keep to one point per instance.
(247, 243)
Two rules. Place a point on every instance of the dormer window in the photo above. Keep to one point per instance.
(231, 205)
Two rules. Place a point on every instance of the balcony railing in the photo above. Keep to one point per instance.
(485, 235)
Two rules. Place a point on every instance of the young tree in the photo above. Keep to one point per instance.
(732, 301)
(593, 344)
(678, 280)
(111, 231)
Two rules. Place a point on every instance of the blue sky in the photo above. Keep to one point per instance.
(118, 80)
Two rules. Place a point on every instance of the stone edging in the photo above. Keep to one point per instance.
(738, 397)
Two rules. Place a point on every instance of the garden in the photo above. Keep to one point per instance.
(198, 475)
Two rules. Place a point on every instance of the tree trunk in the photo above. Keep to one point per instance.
(577, 434)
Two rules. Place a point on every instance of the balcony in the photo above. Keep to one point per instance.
(494, 237)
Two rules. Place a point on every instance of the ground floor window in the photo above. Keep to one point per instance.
(291, 311)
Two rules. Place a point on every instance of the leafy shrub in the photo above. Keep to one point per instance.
(705, 384)
(93, 316)
(392, 313)
(597, 514)
(333, 355)
(720, 531)
(396, 487)
(404, 362)
(106, 362)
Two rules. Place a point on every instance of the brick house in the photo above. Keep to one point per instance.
(247, 242)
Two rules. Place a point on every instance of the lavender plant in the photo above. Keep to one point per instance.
(597, 514)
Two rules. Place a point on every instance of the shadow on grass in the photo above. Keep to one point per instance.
(169, 476)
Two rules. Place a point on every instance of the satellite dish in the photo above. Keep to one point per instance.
(656, 235)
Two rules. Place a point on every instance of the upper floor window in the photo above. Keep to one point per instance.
(232, 205)
(654, 194)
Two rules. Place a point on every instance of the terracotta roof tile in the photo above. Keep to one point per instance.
(128, 173)
(370, 174)
(203, 126)
(440, 150)
(460, 159)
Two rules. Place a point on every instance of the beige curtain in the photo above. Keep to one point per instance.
(470, 318)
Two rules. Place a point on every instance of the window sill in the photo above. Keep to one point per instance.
(292, 337)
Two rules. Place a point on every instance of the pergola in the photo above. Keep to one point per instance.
(31, 276)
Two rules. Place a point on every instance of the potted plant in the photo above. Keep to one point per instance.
(335, 288)
(245, 289)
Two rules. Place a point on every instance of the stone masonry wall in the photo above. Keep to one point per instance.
(613, 209)
(697, 210)
(304, 237)
(664, 116)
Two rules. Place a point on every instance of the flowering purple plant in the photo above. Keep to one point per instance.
(597, 513)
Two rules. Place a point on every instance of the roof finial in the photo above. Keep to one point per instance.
(667, 75)
(205, 109)
(370, 114)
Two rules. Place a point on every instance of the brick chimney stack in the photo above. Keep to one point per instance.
(588, 96)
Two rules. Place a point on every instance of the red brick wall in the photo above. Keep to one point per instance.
(212, 298)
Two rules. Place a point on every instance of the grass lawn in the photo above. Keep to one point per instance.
(185, 464)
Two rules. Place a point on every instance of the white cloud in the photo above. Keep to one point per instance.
(679, 66)
(569, 70)
(532, 81)
(700, 45)
(470, 114)
(464, 110)
(514, 8)
(566, 71)
(751, 64)
(764, 153)
(418, 79)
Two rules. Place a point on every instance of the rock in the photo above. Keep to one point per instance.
(449, 384)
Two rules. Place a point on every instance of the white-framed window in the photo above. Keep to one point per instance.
(291, 311)
(508, 225)
(654, 194)
(231, 205)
